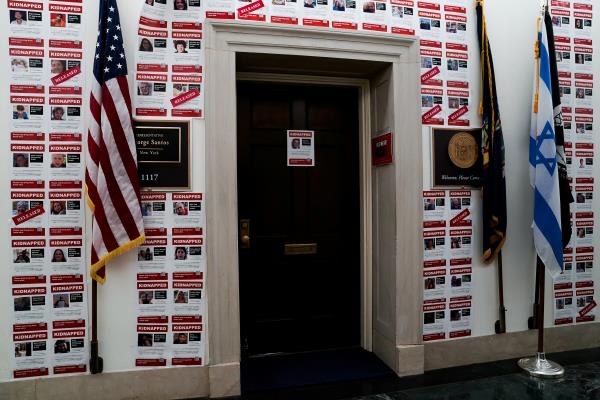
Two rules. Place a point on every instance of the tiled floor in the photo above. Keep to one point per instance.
(495, 381)
(581, 382)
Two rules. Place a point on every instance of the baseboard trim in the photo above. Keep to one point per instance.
(482, 349)
(224, 380)
(154, 384)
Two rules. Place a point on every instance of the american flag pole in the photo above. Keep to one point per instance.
(112, 183)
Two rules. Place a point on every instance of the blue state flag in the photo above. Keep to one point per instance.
(544, 173)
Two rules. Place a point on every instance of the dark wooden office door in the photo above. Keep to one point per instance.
(302, 302)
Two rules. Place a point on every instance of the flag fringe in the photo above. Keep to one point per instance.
(89, 201)
(489, 256)
(94, 268)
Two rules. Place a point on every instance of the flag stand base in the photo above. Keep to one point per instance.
(540, 367)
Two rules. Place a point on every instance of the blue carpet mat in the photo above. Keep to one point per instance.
(277, 372)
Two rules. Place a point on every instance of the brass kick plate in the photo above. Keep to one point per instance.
(299, 249)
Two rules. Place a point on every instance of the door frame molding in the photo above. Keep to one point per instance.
(365, 180)
(397, 204)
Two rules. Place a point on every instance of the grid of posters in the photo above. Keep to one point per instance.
(170, 53)
(48, 315)
(170, 270)
(447, 34)
(169, 59)
(447, 272)
(574, 289)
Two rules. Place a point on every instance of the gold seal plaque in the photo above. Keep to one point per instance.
(463, 150)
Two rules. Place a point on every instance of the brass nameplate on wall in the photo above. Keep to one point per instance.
(299, 249)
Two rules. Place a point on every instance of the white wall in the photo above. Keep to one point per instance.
(511, 25)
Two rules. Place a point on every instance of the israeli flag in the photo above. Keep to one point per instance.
(543, 165)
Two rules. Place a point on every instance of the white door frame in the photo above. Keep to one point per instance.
(397, 257)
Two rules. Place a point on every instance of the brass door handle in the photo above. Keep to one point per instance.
(245, 233)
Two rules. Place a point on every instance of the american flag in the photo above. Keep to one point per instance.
(111, 176)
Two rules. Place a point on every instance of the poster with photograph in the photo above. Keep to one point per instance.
(30, 357)
(30, 304)
(430, 20)
(344, 14)
(187, 94)
(187, 288)
(151, 94)
(432, 106)
(152, 344)
(434, 244)
(584, 127)
(219, 9)
(457, 62)
(154, 210)
(435, 321)
(584, 93)
(584, 160)
(435, 283)
(28, 256)
(65, 20)
(186, 210)
(461, 243)
(155, 9)
(26, 18)
(375, 15)
(564, 47)
(584, 194)
(585, 302)
(252, 10)
(66, 256)
(26, 57)
(300, 148)
(455, 23)
(27, 165)
(566, 89)
(459, 107)
(152, 294)
(187, 253)
(434, 205)
(562, 21)
(460, 322)
(187, 345)
(565, 279)
(69, 351)
(460, 208)
(65, 161)
(28, 209)
(152, 255)
(432, 63)
(461, 272)
(285, 11)
(66, 209)
(564, 307)
(584, 50)
(404, 17)
(28, 112)
(583, 15)
(584, 266)
(68, 297)
(316, 12)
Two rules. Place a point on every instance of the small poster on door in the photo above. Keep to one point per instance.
(300, 148)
